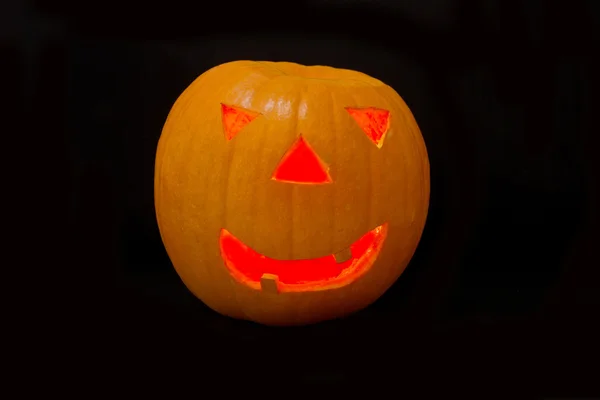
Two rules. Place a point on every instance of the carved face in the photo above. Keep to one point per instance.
(288, 194)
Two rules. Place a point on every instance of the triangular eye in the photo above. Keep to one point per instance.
(235, 119)
(375, 122)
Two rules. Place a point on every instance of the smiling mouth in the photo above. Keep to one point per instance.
(270, 275)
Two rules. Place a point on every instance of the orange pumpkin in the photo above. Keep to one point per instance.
(289, 194)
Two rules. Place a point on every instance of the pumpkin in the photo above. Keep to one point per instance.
(289, 194)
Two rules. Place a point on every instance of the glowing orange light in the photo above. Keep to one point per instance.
(301, 165)
(374, 122)
(235, 119)
(248, 266)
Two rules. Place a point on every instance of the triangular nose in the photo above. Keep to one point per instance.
(301, 164)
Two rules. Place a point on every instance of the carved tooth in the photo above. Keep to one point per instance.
(343, 255)
(268, 283)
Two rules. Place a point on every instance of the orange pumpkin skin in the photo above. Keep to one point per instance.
(215, 178)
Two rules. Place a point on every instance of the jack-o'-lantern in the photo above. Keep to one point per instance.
(289, 194)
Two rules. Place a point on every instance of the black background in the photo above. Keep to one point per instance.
(503, 289)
